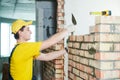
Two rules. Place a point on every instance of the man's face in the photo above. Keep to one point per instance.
(25, 34)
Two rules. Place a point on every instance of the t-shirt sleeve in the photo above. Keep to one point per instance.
(32, 49)
(35, 49)
(37, 53)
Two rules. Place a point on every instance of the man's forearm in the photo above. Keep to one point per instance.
(54, 39)
(51, 55)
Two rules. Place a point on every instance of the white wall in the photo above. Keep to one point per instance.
(81, 9)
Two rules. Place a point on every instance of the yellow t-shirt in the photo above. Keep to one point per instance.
(21, 64)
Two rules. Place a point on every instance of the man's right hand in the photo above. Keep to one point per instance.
(71, 28)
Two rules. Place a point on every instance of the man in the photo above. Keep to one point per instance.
(21, 61)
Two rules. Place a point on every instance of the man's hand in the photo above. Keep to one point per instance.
(71, 28)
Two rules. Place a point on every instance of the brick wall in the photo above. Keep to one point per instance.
(96, 56)
(54, 70)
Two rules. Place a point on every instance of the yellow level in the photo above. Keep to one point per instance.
(102, 13)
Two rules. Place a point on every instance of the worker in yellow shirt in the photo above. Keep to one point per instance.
(21, 60)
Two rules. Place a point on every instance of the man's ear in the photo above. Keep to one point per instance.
(19, 32)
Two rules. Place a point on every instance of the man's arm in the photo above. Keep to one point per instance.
(51, 55)
(54, 39)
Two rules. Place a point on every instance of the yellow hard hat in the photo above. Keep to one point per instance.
(18, 24)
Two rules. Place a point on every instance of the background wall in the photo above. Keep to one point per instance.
(81, 9)
(17, 9)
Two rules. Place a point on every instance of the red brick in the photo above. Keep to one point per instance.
(70, 56)
(58, 79)
(76, 71)
(88, 69)
(107, 37)
(60, 10)
(107, 20)
(72, 51)
(60, 18)
(117, 64)
(72, 38)
(70, 68)
(58, 61)
(88, 55)
(106, 47)
(60, 0)
(58, 76)
(72, 63)
(76, 45)
(78, 66)
(98, 73)
(70, 44)
(92, 77)
(84, 61)
(105, 28)
(107, 74)
(61, 3)
(116, 46)
(77, 52)
(69, 62)
(81, 53)
(107, 56)
(81, 67)
(98, 56)
(60, 6)
(94, 63)
(59, 66)
(58, 71)
(72, 76)
(84, 75)
(78, 78)
(60, 22)
(75, 58)
(104, 65)
(60, 14)
(79, 38)
(84, 46)
(87, 38)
